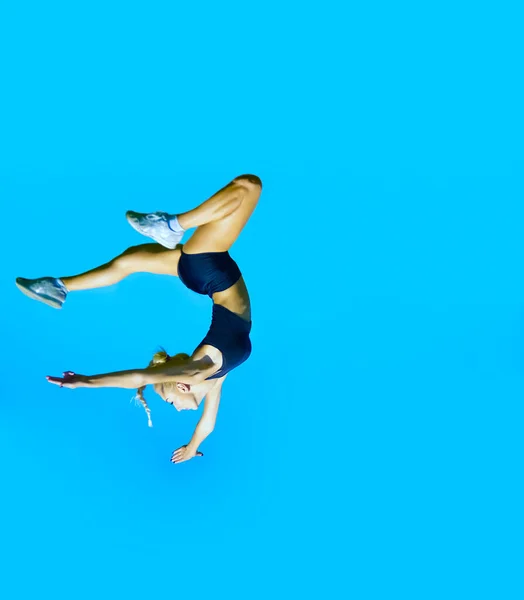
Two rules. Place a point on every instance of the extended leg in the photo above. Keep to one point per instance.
(147, 258)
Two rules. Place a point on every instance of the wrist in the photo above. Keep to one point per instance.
(192, 447)
(89, 381)
(76, 381)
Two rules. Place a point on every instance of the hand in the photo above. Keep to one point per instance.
(68, 380)
(184, 453)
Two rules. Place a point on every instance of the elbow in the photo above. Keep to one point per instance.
(139, 380)
(207, 428)
(148, 377)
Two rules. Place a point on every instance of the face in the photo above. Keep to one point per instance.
(178, 395)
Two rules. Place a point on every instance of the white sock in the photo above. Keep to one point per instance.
(62, 284)
(174, 225)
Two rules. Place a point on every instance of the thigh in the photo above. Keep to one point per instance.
(150, 258)
(219, 236)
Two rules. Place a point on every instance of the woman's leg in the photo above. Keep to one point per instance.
(146, 258)
(220, 205)
(220, 219)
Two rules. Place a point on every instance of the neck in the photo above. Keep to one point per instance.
(201, 389)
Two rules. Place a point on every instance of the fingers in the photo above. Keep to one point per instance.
(178, 458)
(65, 376)
(177, 454)
(59, 381)
(182, 455)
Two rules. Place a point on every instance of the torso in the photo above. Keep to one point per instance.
(235, 299)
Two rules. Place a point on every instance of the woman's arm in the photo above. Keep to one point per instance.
(204, 427)
(133, 378)
(190, 372)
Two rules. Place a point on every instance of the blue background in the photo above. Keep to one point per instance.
(372, 446)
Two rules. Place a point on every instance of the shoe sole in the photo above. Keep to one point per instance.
(45, 299)
(158, 240)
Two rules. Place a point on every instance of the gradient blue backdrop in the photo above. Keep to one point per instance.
(372, 446)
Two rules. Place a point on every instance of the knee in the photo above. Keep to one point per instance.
(127, 260)
(250, 181)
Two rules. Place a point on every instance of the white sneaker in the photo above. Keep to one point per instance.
(156, 226)
(49, 290)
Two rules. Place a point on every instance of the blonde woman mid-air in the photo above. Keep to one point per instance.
(204, 265)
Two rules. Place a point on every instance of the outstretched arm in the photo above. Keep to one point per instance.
(204, 427)
(133, 378)
(190, 372)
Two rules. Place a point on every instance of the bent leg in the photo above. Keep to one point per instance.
(146, 258)
(221, 218)
(221, 204)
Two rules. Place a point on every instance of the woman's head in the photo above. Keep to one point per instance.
(177, 394)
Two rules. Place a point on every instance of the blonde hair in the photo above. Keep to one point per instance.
(159, 358)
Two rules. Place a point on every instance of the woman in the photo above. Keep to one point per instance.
(203, 264)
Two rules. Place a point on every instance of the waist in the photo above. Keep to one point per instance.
(235, 299)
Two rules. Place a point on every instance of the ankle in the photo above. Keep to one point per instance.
(63, 281)
(174, 224)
